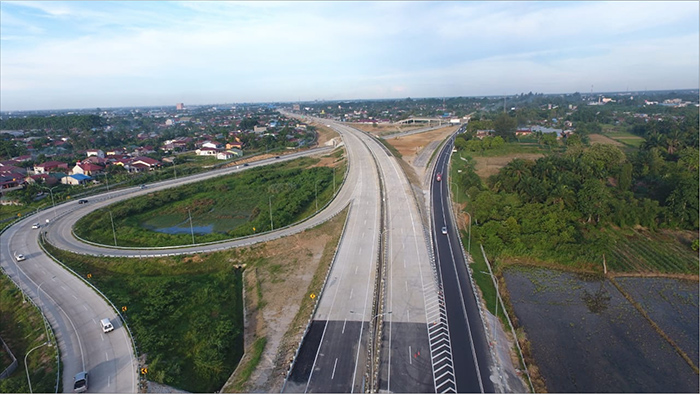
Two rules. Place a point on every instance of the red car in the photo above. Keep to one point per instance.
(439, 176)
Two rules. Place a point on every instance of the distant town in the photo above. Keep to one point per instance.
(75, 147)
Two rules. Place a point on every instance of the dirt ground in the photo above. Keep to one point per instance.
(487, 166)
(601, 139)
(385, 128)
(325, 134)
(287, 269)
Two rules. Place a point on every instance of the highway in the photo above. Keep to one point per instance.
(74, 309)
(471, 356)
(334, 352)
(417, 350)
(60, 234)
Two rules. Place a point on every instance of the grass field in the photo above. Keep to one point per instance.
(220, 209)
(638, 251)
(186, 312)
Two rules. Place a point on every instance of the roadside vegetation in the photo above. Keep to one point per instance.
(185, 312)
(22, 328)
(232, 206)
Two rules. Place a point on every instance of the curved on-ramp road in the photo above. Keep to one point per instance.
(74, 309)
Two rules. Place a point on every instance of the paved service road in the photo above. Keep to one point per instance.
(74, 311)
(61, 236)
(471, 356)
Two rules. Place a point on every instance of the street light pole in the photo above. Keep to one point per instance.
(27, 369)
(469, 242)
(371, 363)
(114, 233)
(53, 203)
(191, 228)
(269, 200)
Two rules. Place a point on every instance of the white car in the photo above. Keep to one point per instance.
(444, 229)
(106, 325)
(19, 257)
(35, 225)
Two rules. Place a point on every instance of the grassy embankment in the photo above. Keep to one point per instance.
(186, 312)
(235, 205)
(22, 328)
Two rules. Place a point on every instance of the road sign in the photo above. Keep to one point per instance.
(124, 309)
(144, 371)
(89, 276)
(312, 296)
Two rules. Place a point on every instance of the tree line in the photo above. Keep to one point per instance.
(82, 122)
(560, 206)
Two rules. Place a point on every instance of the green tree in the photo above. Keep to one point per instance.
(504, 126)
(593, 200)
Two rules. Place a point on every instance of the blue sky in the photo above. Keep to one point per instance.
(57, 55)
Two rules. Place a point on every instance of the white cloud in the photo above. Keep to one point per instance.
(250, 50)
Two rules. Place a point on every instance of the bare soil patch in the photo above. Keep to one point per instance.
(487, 166)
(601, 139)
(277, 302)
(410, 146)
(381, 129)
(325, 134)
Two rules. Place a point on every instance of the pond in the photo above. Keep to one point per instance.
(185, 229)
(586, 336)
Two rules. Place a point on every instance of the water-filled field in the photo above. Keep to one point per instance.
(587, 337)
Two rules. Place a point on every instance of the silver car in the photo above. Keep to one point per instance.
(80, 382)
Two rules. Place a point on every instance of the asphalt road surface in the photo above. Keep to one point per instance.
(74, 311)
(334, 352)
(471, 357)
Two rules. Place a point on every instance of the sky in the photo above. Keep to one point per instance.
(62, 55)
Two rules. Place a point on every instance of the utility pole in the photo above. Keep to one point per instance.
(191, 228)
(114, 233)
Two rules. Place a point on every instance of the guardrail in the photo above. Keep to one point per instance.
(13, 365)
(49, 330)
(376, 329)
(175, 247)
(121, 317)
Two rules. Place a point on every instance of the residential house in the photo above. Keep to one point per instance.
(95, 160)
(236, 152)
(211, 144)
(146, 161)
(6, 170)
(480, 134)
(75, 179)
(206, 152)
(11, 181)
(87, 169)
(50, 166)
(95, 152)
(224, 155)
